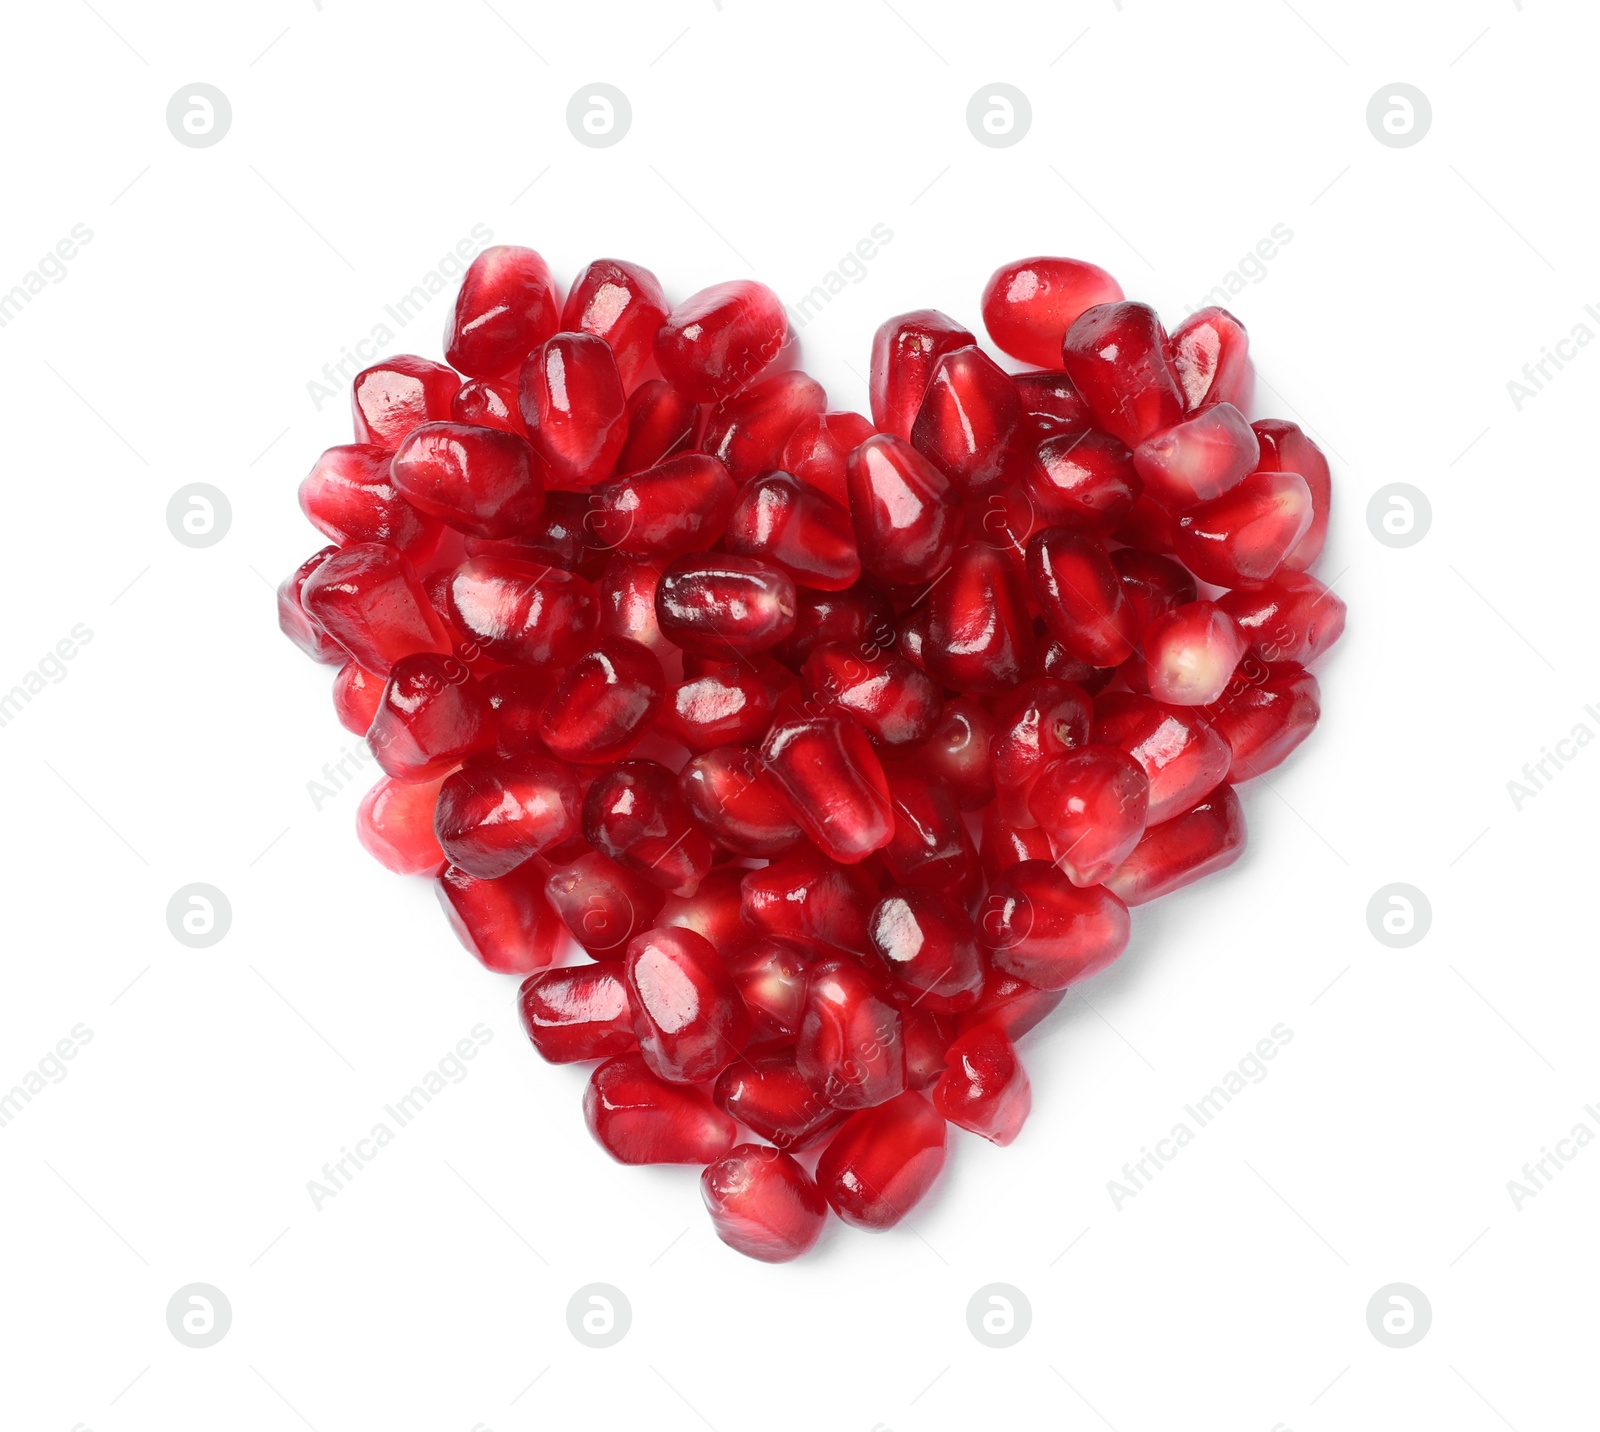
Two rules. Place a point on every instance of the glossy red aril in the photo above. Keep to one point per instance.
(771, 976)
(1041, 719)
(883, 1161)
(1117, 357)
(907, 519)
(558, 537)
(687, 1011)
(834, 782)
(349, 497)
(748, 431)
(578, 1012)
(356, 694)
(1029, 304)
(1148, 526)
(1083, 479)
(1211, 351)
(850, 1048)
(634, 814)
(779, 518)
(927, 1037)
(763, 1204)
(622, 304)
(1198, 459)
(811, 899)
(931, 848)
(431, 718)
(1284, 448)
(497, 810)
(1051, 396)
(661, 423)
(1040, 927)
(640, 1119)
(769, 1095)
(1208, 837)
(884, 693)
(968, 413)
(1241, 538)
(627, 592)
(727, 703)
(603, 904)
(1190, 654)
(1093, 804)
(718, 340)
(488, 405)
(730, 795)
(506, 923)
(505, 309)
(391, 398)
(603, 703)
(574, 407)
(515, 697)
(296, 623)
(479, 480)
(713, 911)
(395, 823)
(1153, 584)
(367, 598)
(960, 751)
(1264, 714)
(523, 612)
(1080, 596)
(905, 351)
(1009, 839)
(930, 948)
(1011, 1004)
(980, 633)
(724, 606)
(1180, 752)
(818, 448)
(680, 506)
(984, 1087)
(859, 615)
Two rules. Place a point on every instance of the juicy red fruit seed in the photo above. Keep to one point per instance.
(367, 598)
(1291, 618)
(523, 613)
(718, 340)
(680, 506)
(640, 1119)
(488, 405)
(712, 911)
(959, 751)
(1206, 838)
(1093, 804)
(1263, 715)
(769, 1095)
(349, 496)
(835, 784)
(1083, 479)
(1198, 459)
(931, 848)
(905, 351)
(604, 703)
(930, 947)
(980, 633)
(850, 1047)
(771, 976)
(479, 480)
(763, 1204)
(779, 518)
(579, 1012)
(984, 1087)
(723, 606)
(603, 904)
(574, 407)
(1080, 596)
(818, 448)
(727, 703)
(506, 923)
(661, 422)
(1039, 927)
(356, 694)
(1040, 720)
(506, 307)
(622, 304)
(296, 623)
(496, 811)
(1180, 752)
(1190, 654)
(1284, 448)
(968, 413)
(1029, 304)
(906, 516)
(432, 716)
(1242, 538)
(391, 398)
(809, 898)
(883, 1161)
(687, 1011)
(394, 822)
(747, 432)
(896, 704)
(730, 795)
(635, 815)
(1211, 351)
(1116, 356)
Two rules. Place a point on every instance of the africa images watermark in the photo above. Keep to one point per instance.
(52, 267)
(51, 1069)
(51, 669)
(851, 268)
(1538, 374)
(1536, 775)
(1538, 1173)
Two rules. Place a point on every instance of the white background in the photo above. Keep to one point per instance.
(1167, 139)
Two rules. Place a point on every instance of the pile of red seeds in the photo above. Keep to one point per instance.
(842, 747)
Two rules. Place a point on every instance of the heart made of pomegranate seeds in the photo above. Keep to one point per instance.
(832, 748)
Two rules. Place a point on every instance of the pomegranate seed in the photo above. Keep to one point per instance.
(980, 634)
(860, 615)
(906, 517)
(1083, 479)
(984, 1087)
(731, 797)
(713, 911)
(849, 1048)
(622, 304)
(662, 423)
(1206, 838)
(1198, 459)
(640, 1119)
(1263, 715)
(395, 823)
(1092, 803)
(634, 814)
(931, 849)
(896, 704)
(1284, 448)
(1013, 1005)
(911, 636)
(882, 1162)
(771, 976)
(391, 398)
(432, 716)
(505, 309)
(1040, 720)
(905, 351)
(367, 598)
(578, 1012)
(1241, 538)
(515, 696)
(1051, 395)
(603, 904)
(628, 601)
(1116, 356)
(927, 1038)
(968, 413)
(1148, 526)
(496, 811)
(763, 1204)
(349, 497)
(522, 612)
(574, 407)
(687, 1012)
(296, 623)
(1006, 841)
(479, 480)
(1029, 304)
(1181, 754)
(727, 704)
(721, 605)
(807, 897)
(748, 431)
(769, 1095)
(1040, 927)
(488, 405)
(817, 450)
(1056, 662)
(1080, 596)
(1153, 584)
(930, 947)
(603, 703)
(795, 527)
(959, 751)
(1211, 352)
(718, 340)
(1191, 652)
(507, 923)
(834, 783)
(356, 694)
(1004, 515)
